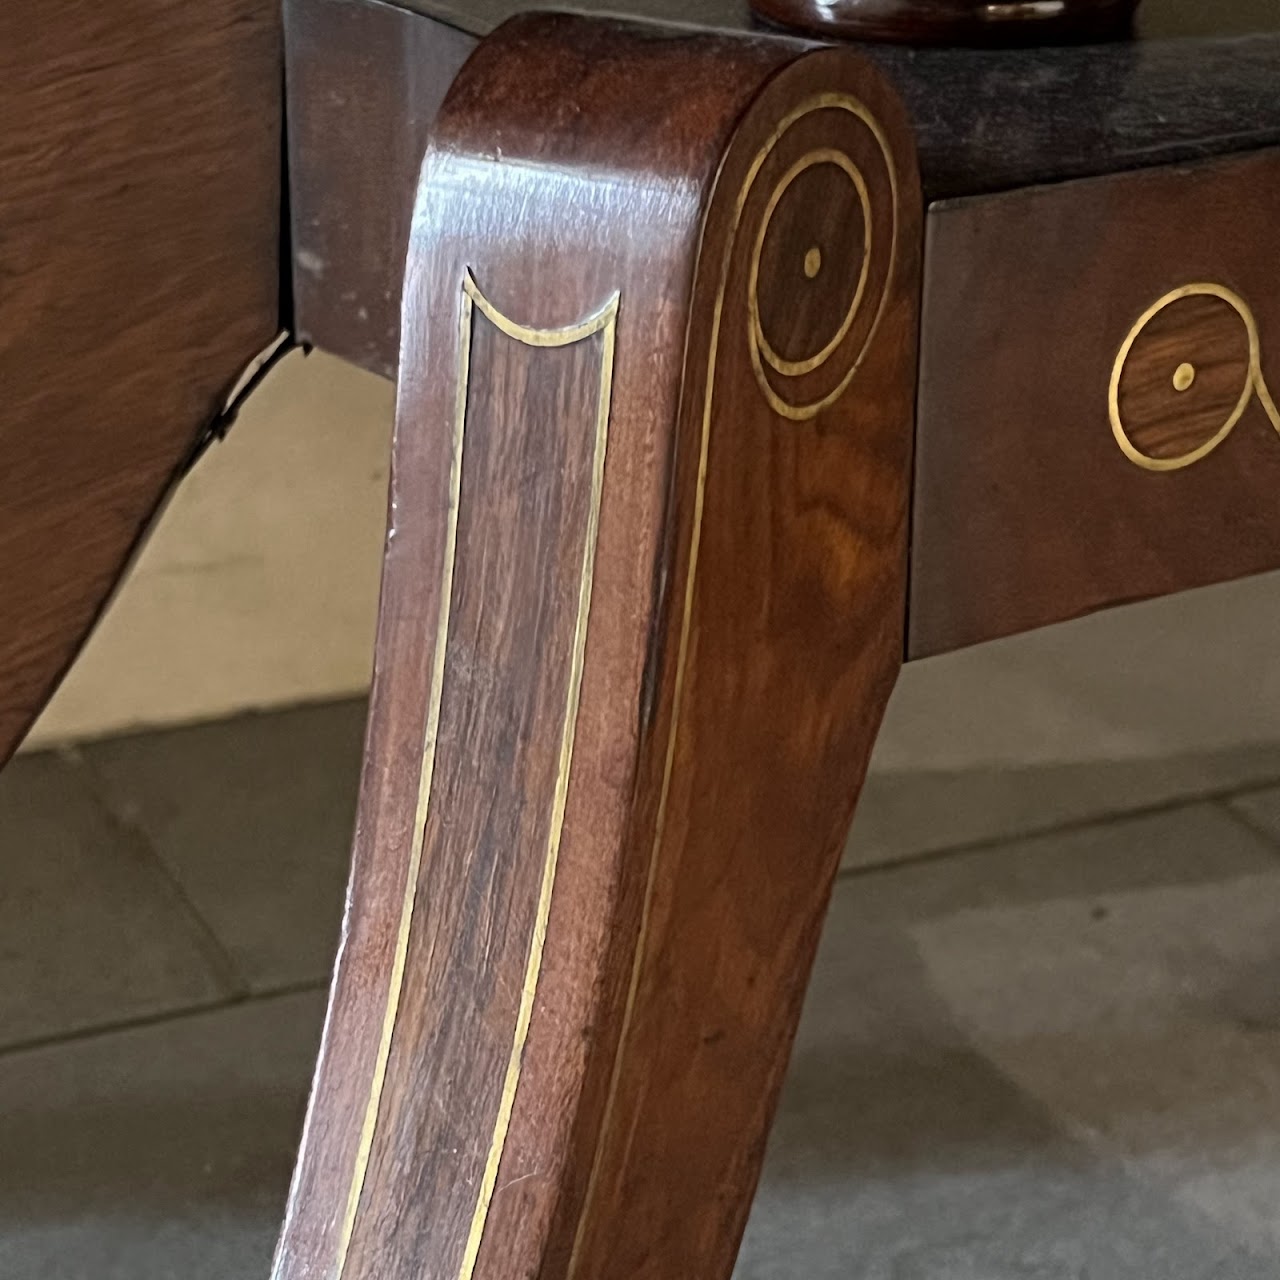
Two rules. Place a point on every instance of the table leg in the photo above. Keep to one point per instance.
(139, 275)
(643, 605)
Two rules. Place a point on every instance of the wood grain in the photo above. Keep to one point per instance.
(602, 809)
(140, 160)
(1027, 511)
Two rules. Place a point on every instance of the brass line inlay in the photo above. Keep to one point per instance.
(603, 322)
(818, 102)
(370, 1121)
(1185, 375)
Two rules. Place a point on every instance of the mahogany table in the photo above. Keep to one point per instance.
(734, 370)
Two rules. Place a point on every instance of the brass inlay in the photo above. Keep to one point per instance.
(817, 103)
(1185, 374)
(760, 344)
(762, 352)
(812, 262)
(603, 322)
(370, 1121)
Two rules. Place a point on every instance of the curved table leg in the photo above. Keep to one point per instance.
(139, 275)
(642, 608)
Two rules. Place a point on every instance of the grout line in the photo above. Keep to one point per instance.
(1256, 829)
(145, 1020)
(225, 971)
(1216, 797)
(1246, 789)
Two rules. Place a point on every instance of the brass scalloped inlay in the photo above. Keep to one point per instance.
(603, 322)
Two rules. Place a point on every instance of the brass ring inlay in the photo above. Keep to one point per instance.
(792, 368)
(1185, 375)
(763, 356)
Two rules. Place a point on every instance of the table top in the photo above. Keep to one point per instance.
(1200, 79)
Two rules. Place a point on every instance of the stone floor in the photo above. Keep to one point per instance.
(1052, 1053)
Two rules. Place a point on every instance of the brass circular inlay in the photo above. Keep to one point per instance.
(1185, 374)
(862, 286)
(824, 155)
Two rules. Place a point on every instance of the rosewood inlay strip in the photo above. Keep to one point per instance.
(602, 322)
(370, 1123)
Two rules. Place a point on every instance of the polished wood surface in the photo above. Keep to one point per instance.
(1028, 509)
(933, 21)
(356, 65)
(140, 160)
(643, 604)
(365, 77)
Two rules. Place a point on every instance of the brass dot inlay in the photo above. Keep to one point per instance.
(812, 262)
(1183, 376)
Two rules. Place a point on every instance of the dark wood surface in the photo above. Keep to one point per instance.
(1200, 80)
(140, 160)
(366, 78)
(630, 665)
(1158, 20)
(353, 67)
(1027, 510)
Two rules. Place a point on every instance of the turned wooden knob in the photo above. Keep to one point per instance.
(969, 21)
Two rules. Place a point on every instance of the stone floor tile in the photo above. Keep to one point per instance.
(253, 817)
(1052, 1060)
(92, 929)
(156, 1153)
